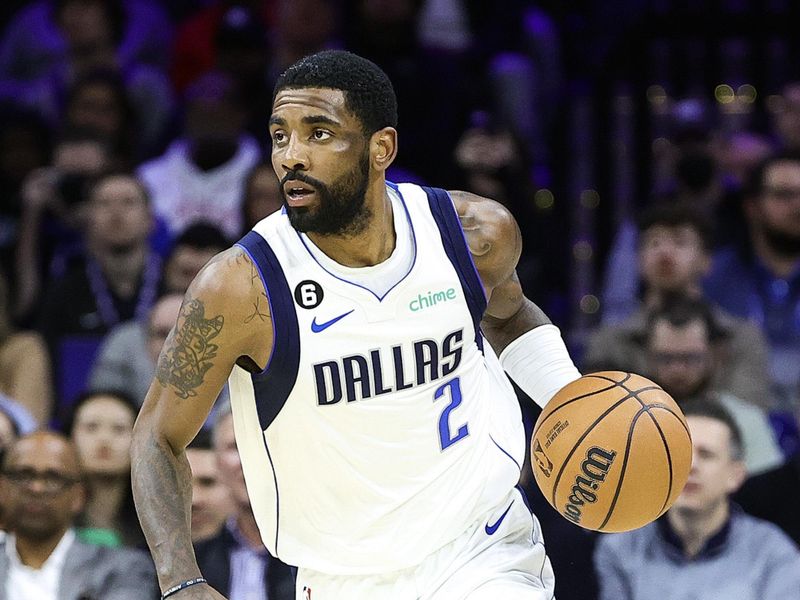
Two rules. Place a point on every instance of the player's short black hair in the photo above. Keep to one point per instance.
(710, 407)
(676, 213)
(368, 93)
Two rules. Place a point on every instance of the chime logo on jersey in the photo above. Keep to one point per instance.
(359, 376)
(423, 301)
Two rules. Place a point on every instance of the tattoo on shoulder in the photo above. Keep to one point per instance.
(190, 352)
(257, 308)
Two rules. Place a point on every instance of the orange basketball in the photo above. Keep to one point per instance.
(611, 451)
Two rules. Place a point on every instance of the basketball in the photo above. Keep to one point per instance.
(611, 451)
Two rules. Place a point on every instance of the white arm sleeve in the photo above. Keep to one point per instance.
(539, 363)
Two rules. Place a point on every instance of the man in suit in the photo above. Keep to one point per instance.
(235, 561)
(41, 493)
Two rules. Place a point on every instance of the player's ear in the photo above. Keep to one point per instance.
(383, 148)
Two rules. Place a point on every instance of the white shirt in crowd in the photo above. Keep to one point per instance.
(25, 583)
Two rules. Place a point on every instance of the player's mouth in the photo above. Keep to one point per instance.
(298, 193)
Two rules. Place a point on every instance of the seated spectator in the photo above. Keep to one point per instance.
(211, 498)
(762, 282)
(262, 195)
(52, 215)
(25, 145)
(127, 359)
(674, 254)
(101, 431)
(764, 496)
(235, 561)
(679, 350)
(24, 365)
(116, 280)
(41, 559)
(193, 248)
(98, 102)
(703, 547)
(201, 175)
(90, 35)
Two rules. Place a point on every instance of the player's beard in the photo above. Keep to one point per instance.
(341, 208)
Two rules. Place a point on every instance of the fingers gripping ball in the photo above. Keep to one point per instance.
(611, 451)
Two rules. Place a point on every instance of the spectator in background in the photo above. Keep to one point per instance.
(115, 280)
(762, 281)
(262, 196)
(127, 358)
(195, 48)
(703, 547)
(673, 256)
(25, 370)
(53, 212)
(680, 338)
(765, 495)
(235, 561)
(101, 429)
(92, 33)
(128, 355)
(98, 102)
(41, 494)
(193, 248)
(25, 145)
(694, 167)
(211, 498)
(784, 112)
(201, 174)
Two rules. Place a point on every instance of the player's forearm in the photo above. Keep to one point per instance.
(163, 496)
(501, 331)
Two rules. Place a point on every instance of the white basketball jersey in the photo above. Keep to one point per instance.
(383, 424)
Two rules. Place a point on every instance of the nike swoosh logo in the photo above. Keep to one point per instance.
(490, 529)
(317, 327)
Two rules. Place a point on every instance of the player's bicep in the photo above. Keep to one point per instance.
(214, 330)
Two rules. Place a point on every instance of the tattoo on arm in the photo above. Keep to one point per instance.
(257, 309)
(188, 356)
(162, 492)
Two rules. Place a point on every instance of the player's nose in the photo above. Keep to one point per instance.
(295, 155)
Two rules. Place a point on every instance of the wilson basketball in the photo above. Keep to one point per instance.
(611, 451)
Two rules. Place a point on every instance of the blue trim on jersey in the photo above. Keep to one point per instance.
(358, 285)
(277, 492)
(274, 384)
(455, 245)
(514, 460)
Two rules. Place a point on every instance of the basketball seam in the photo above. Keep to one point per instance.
(581, 397)
(617, 491)
(666, 449)
(583, 437)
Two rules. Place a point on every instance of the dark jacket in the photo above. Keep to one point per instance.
(214, 558)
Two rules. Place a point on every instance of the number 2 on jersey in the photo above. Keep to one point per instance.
(445, 436)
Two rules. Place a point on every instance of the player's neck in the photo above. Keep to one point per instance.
(695, 528)
(373, 245)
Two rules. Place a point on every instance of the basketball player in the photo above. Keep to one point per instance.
(360, 329)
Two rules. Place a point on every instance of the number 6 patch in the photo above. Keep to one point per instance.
(308, 294)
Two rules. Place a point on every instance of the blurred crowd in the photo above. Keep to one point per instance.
(134, 147)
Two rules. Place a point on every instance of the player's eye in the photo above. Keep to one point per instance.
(278, 137)
(321, 134)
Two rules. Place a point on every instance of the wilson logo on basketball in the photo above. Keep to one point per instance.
(594, 469)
